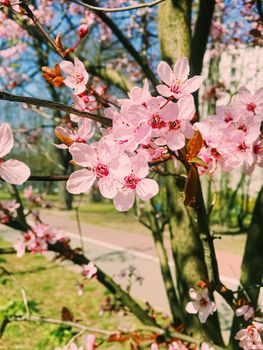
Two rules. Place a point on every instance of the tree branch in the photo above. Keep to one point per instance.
(54, 105)
(201, 34)
(126, 44)
(118, 9)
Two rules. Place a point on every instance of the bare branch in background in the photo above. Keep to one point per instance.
(118, 9)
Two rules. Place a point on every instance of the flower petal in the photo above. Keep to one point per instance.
(147, 188)
(80, 181)
(6, 139)
(124, 200)
(14, 172)
(165, 72)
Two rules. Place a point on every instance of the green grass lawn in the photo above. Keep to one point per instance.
(52, 287)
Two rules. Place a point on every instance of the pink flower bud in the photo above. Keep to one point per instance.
(83, 30)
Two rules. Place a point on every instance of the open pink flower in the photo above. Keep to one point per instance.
(246, 310)
(249, 338)
(250, 103)
(101, 164)
(176, 80)
(201, 304)
(77, 76)
(80, 135)
(179, 126)
(12, 171)
(135, 184)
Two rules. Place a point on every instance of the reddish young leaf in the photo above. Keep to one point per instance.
(194, 146)
(190, 187)
(118, 337)
(66, 314)
(53, 76)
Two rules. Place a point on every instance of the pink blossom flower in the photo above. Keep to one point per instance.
(101, 164)
(80, 135)
(135, 184)
(137, 95)
(77, 76)
(12, 171)
(201, 304)
(246, 310)
(89, 270)
(179, 126)
(11, 206)
(38, 238)
(154, 346)
(249, 338)
(251, 103)
(176, 80)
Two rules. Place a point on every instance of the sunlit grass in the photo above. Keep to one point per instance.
(52, 287)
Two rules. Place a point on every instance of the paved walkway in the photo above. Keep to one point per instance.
(143, 245)
(114, 250)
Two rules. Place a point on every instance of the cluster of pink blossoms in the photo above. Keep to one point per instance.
(142, 129)
(146, 128)
(8, 210)
(232, 136)
(37, 239)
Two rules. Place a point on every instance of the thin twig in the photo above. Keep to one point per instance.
(46, 35)
(118, 9)
(32, 318)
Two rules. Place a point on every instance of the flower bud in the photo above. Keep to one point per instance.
(83, 30)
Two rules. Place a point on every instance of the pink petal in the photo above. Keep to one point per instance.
(170, 112)
(67, 67)
(124, 200)
(192, 307)
(14, 172)
(186, 107)
(60, 146)
(164, 90)
(165, 72)
(203, 314)
(121, 166)
(140, 167)
(175, 140)
(191, 85)
(147, 188)
(6, 139)
(79, 88)
(80, 181)
(194, 294)
(107, 187)
(181, 69)
(83, 154)
(242, 310)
